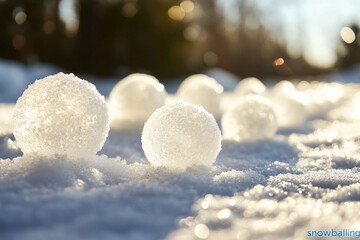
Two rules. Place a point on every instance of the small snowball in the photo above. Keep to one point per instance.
(288, 105)
(290, 113)
(135, 98)
(250, 85)
(202, 90)
(181, 135)
(61, 114)
(251, 119)
(283, 87)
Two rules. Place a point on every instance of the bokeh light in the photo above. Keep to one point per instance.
(347, 35)
(176, 13)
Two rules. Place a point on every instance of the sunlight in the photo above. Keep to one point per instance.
(279, 62)
(347, 35)
(202, 231)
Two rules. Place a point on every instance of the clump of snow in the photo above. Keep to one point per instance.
(181, 135)
(288, 106)
(290, 113)
(250, 85)
(251, 119)
(202, 90)
(134, 99)
(61, 114)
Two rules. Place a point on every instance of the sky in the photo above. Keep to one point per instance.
(309, 27)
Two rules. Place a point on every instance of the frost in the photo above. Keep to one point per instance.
(181, 135)
(134, 99)
(202, 90)
(61, 114)
(251, 119)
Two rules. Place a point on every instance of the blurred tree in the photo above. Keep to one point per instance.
(161, 37)
(248, 48)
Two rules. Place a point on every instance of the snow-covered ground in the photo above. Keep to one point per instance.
(302, 179)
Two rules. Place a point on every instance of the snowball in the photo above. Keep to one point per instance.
(202, 90)
(61, 114)
(135, 98)
(181, 135)
(288, 105)
(290, 113)
(250, 85)
(251, 119)
(283, 87)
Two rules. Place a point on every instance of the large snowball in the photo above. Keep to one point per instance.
(250, 85)
(251, 119)
(202, 90)
(181, 135)
(135, 98)
(61, 114)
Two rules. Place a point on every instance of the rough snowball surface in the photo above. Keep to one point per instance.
(202, 90)
(61, 114)
(181, 135)
(251, 119)
(135, 98)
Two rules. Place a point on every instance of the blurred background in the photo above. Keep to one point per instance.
(170, 38)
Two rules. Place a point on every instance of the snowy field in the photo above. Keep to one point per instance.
(302, 179)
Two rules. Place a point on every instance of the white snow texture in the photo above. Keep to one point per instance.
(300, 179)
(181, 135)
(61, 114)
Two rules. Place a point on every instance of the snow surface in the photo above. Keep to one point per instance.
(301, 179)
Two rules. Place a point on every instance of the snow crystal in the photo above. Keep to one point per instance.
(251, 119)
(134, 99)
(61, 114)
(250, 85)
(181, 135)
(202, 90)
